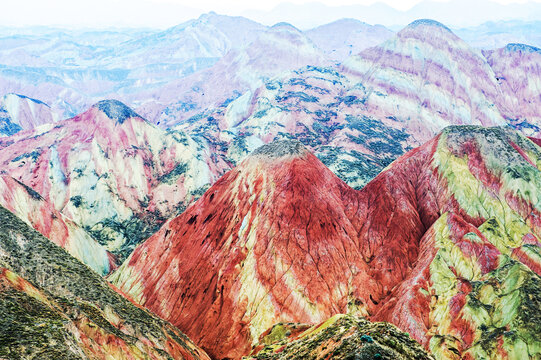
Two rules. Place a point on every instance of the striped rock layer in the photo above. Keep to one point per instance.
(110, 171)
(360, 115)
(54, 307)
(444, 243)
(18, 112)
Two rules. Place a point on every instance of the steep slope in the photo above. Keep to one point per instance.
(281, 238)
(18, 112)
(30, 207)
(340, 337)
(517, 68)
(55, 307)
(279, 49)
(110, 171)
(346, 37)
(430, 77)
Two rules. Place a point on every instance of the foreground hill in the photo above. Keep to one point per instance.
(110, 171)
(30, 207)
(54, 307)
(444, 244)
(341, 337)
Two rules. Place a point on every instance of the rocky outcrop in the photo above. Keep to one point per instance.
(342, 337)
(283, 239)
(54, 307)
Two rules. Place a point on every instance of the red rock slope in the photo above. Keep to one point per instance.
(281, 238)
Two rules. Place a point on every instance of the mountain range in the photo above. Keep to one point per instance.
(441, 243)
(227, 190)
(70, 70)
(360, 115)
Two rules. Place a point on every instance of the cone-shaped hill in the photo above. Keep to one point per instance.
(444, 243)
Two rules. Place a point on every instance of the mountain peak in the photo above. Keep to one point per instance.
(515, 47)
(427, 22)
(115, 110)
(284, 26)
(281, 148)
(427, 30)
(23, 97)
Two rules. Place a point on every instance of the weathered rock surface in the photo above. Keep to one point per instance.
(444, 243)
(54, 307)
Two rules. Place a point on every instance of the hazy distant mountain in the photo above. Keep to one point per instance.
(183, 71)
(343, 38)
(309, 15)
(87, 66)
(282, 48)
(492, 35)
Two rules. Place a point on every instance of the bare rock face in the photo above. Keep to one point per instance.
(54, 307)
(280, 148)
(342, 337)
(444, 243)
